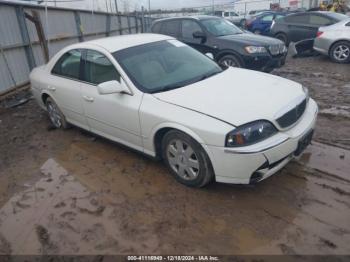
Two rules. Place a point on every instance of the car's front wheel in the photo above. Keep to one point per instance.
(229, 61)
(57, 118)
(340, 52)
(186, 159)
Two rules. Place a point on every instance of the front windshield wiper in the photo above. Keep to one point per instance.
(175, 86)
(209, 75)
(168, 87)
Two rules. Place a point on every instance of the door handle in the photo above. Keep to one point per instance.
(88, 98)
(51, 88)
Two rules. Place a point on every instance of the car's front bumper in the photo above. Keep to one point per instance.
(254, 163)
(264, 62)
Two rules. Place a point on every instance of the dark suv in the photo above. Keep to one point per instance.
(229, 45)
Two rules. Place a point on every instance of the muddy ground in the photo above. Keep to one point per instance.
(68, 192)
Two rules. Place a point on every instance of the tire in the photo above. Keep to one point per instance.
(229, 61)
(186, 159)
(57, 119)
(340, 52)
(283, 37)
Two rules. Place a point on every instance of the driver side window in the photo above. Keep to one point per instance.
(98, 69)
(188, 28)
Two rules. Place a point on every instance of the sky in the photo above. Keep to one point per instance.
(136, 4)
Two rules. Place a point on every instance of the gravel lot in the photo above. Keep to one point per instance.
(68, 192)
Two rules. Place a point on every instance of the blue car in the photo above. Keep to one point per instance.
(261, 24)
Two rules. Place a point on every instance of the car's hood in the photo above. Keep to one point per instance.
(251, 39)
(238, 96)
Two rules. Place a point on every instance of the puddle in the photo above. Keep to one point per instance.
(343, 111)
(58, 215)
(329, 159)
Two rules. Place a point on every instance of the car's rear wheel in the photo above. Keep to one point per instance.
(283, 37)
(340, 52)
(57, 118)
(186, 159)
(229, 61)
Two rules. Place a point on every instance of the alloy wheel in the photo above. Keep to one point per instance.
(182, 159)
(228, 62)
(341, 52)
(54, 114)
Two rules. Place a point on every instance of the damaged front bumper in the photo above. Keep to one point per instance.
(257, 162)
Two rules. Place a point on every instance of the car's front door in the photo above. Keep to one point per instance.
(188, 28)
(63, 85)
(115, 116)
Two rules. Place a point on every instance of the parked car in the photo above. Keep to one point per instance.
(261, 24)
(229, 45)
(334, 41)
(300, 26)
(233, 17)
(161, 97)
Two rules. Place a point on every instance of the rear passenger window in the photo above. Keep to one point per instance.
(98, 69)
(68, 65)
(171, 28)
(156, 28)
(319, 20)
(297, 19)
(188, 28)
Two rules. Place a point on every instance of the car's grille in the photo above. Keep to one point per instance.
(292, 116)
(277, 49)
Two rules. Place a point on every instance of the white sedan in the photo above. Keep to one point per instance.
(167, 100)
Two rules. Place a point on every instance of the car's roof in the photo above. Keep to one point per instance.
(196, 17)
(116, 43)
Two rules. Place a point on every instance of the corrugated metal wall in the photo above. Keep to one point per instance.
(20, 47)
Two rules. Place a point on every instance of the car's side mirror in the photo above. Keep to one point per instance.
(112, 87)
(199, 34)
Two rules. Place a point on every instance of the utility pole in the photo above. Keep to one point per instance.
(116, 6)
(149, 5)
(212, 7)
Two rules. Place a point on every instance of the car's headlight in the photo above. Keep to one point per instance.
(306, 91)
(255, 49)
(250, 133)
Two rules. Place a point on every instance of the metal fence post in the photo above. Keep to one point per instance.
(143, 19)
(108, 25)
(129, 26)
(25, 36)
(136, 22)
(120, 24)
(78, 26)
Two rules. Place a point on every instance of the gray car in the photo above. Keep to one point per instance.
(334, 41)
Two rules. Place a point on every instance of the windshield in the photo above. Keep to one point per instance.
(221, 27)
(165, 65)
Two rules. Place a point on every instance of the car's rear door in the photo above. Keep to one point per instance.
(265, 23)
(299, 27)
(115, 116)
(63, 86)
